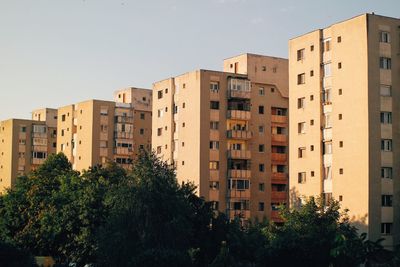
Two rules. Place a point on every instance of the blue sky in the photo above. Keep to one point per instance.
(58, 52)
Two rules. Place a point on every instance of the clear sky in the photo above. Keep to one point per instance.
(58, 52)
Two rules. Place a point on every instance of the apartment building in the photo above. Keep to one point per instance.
(344, 116)
(96, 131)
(25, 144)
(227, 133)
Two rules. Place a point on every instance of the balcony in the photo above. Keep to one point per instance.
(239, 154)
(238, 194)
(278, 119)
(279, 196)
(239, 88)
(124, 135)
(275, 216)
(124, 119)
(245, 174)
(279, 157)
(279, 178)
(279, 138)
(238, 134)
(37, 161)
(243, 214)
(239, 114)
(123, 151)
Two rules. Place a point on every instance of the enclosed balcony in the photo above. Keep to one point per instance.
(239, 134)
(279, 138)
(239, 88)
(244, 174)
(239, 114)
(279, 178)
(278, 157)
(239, 154)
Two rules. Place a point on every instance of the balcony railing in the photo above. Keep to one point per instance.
(279, 138)
(239, 154)
(238, 194)
(239, 114)
(278, 119)
(123, 151)
(238, 134)
(279, 178)
(279, 196)
(124, 135)
(280, 157)
(245, 174)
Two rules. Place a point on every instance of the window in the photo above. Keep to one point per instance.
(261, 187)
(385, 63)
(261, 129)
(312, 173)
(159, 131)
(214, 104)
(261, 167)
(300, 102)
(104, 144)
(260, 206)
(141, 131)
(214, 165)
(301, 78)
(142, 116)
(387, 200)
(272, 89)
(386, 228)
(214, 185)
(214, 145)
(311, 122)
(103, 128)
(214, 125)
(301, 177)
(340, 171)
(326, 96)
(386, 144)
(260, 109)
(214, 205)
(327, 69)
(301, 127)
(311, 97)
(327, 148)
(340, 143)
(327, 45)
(23, 129)
(340, 92)
(238, 184)
(339, 65)
(159, 150)
(301, 152)
(63, 117)
(311, 48)
(339, 39)
(312, 148)
(160, 94)
(311, 73)
(300, 54)
(160, 113)
(39, 155)
(387, 172)
(384, 37)
(386, 117)
(214, 87)
(261, 91)
(327, 120)
(103, 111)
(386, 90)
(261, 148)
(264, 68)
(340, 116)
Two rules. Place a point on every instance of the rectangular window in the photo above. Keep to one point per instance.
(326, 96)
(238, 184)
(327, 45)
(214, 165)
(386, 90)
(386, 117)
(261, 129)
(386, 172)
(327, 148)
(214, 185)
(260, 109)
(39, 155)
(103, 111)
(261, 167)
(160, 94)
(384, 37)
(261, 148)
(260, 206)
(214, 104)
(327, 120)
(387, 200)
(214, 145)
(327, 69)
(300, 54)
(301, 78)
(386, 144)
(160, 113)
(142, 116)
(385, 63)
(159, 131)
(214, 87)
(301, 127)
(301, 177)
(302, 152)
(386, 228)
(214, 125)
(63, 117)
(300, 102)
(23, 129)
(261, 187)
(261, 91)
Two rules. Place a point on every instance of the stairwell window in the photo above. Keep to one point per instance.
(301, 177)
(386, 144)
(214, 145)
(301, 78)
(384, 37)
(301, 127)
(387, 172)
(386, 228)
(385, 90)
(214, 104)
(300, 54)
(386, 117)
(300, 102)
(387, 200)
(214, 87)
(385, 63)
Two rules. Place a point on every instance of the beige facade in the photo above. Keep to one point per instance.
(227, 133)
(344, 120)
(25, 144)
(96, 131)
